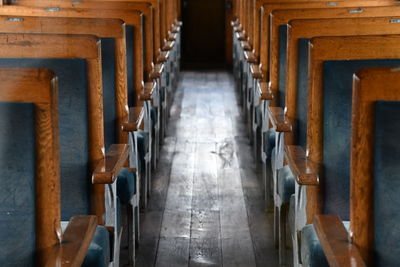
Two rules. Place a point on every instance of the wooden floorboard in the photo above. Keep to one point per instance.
(207, 205)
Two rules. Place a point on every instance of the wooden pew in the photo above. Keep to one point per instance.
(31, 223)
(373, 196)
(256, 70)
(146, 9)
(322, 186)
(77, 59)
(115, 89)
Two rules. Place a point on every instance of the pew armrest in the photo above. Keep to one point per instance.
(107, 169)
(238, 28)
(255, 71)
(148, 90)
(135, 119)
(171, 36)
(75, 242)
(157, 71)
(279, 120)
(163, 57)
(334, 238)
(241, 36)
(266, 93)
(250, 57)
(245, 45)
(168, 45)
(304, 170)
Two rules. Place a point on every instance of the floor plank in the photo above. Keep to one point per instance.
(207, 205)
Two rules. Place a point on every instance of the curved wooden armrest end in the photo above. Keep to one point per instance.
(279, 120)
(163, 57)
(148, 90)
(256, 71)
(266, 93)
(334, 238)
(304, 170)
(178, 23)
(75, 242)
(245, 45)
(107, 169)
(168, 45)
(250, 57)
(157, 71)
(135, 119)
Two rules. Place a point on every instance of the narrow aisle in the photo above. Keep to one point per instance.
(207, 205)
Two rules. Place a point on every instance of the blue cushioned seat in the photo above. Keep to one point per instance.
(273, 158)
(259, 115)
(312, 254)
(285, 184)
(126, 185)
(143, 146)
(269, 142)
(153, 115)
(98, 254)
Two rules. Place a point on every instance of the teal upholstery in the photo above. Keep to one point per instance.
(285, 182)
(17, 184)
(143, 148)
(119, 215)
(153, 115)
(98, 254)
(259, 115)
(282, 65)
(337, 91)
(130, 64)
(73, 121)
(108, 71)
(126, 185)
(269, 142)
(273, 158)
(387, 184)
(311, 251)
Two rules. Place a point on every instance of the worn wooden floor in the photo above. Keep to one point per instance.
(207, 205)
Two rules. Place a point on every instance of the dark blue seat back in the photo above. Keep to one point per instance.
(17, 184)
(302, 93)
(130, 64)
(387, 184)
(108, 69)
(337, 91)
(73, 123)
(282, 65)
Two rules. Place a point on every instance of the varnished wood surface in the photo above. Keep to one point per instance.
(305, 171)
(75, 242)
(108, 168)
(335, 242)
(367, 88)
(283, 14)
(136, 119)
(278, 120)
(207, 204)
(266, 93)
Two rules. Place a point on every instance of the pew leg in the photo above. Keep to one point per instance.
(283, 210)
(276, 227)
(131, 235)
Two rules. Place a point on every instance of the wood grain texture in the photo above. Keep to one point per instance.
(148, 91)
(266, 93)
(255, 70)
(135, 121)
(367, 88)
(134, 18)
(308, 28)
(75, 242)
(107, 169)
(278, 120)
(270, 13)
(102, 28)
(335, 242)
(18, 85)
(305, 171)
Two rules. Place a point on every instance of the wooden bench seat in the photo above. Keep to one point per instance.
(374, 196)
(81, 124)
(30, 223)
(333, 60)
